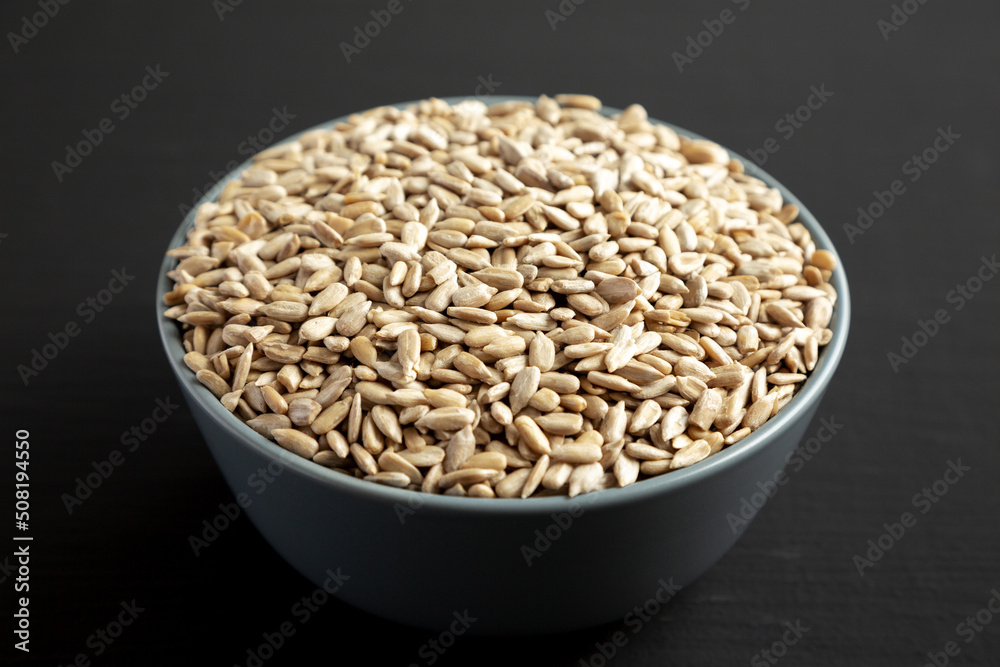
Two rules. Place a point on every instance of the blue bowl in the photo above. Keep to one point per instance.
(516, 566)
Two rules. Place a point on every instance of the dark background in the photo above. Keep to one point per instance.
(228, 72)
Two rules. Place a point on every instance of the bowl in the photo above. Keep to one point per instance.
(515, 566)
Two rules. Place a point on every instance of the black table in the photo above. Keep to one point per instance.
(881, 117)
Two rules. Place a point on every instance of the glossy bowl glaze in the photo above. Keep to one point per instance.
(516, 566)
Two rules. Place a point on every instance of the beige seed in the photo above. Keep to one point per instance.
(283, 353)
(644, 452)
(618, 290)
(265, 424)
(353, 320)
(512, 485)
(467, 476)
(317, 328)
(577, 453)
(647, 414)
(532, 435)
(474, 296)
(473, 367)
(706, 408)
(542, 352)
(389, 461)
(242, 370)
(675, 422)
(824, 260)
(491, 460)
(737, 435)
(810, 353)
(685, 263)
(508, 346)
(613, 382)
(481, 490)
(683, 344)
(445, 398)
(693, 453)
(656, 388)
(562, 423)
(500, 278)
(328, 299)
(523, 387)
(430, 483)
(285, 311)
(557, 475)
(758, 413)
(330, 417)
(545, 400)
(446, 419)
(819, 312)
(785, 378)
(364, 459)
(214, 382)
(782, 349)
(408, 349)
(395, 479)
(502, 413)
(613, 424)
(579, 101)
(537, 475)
(782, 315)
(296, 442)
(626, 469)
(425, 458)
(387, 422)
(303, 411)
(585, 478)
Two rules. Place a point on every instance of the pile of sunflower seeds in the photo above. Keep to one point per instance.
(516, 300)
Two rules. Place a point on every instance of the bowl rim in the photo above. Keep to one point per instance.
(808, 396)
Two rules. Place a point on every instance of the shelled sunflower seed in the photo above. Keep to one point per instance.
(525, 299)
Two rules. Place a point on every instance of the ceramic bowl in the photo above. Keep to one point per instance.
(515, 566)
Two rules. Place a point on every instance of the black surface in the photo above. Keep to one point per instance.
(129, 540)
